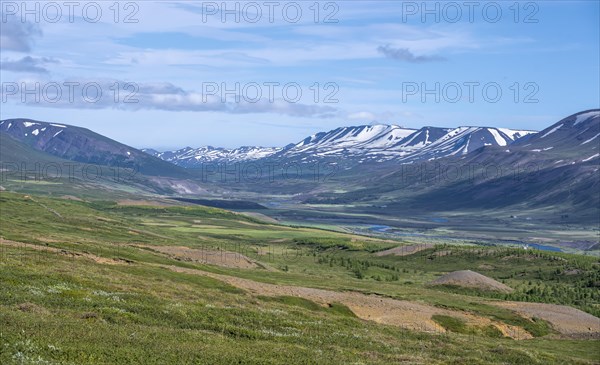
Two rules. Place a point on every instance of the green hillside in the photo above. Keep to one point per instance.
(97, 282)
(28, 170)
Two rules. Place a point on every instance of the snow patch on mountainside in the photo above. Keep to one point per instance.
(552, 131)
(591, 157)
(582, 117)
(515, 134)
(190, 157)
(499, 140)
(591, 139)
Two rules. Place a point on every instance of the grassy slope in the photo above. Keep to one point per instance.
(25, 169)
(64, 310)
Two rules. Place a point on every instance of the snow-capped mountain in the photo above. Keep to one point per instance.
(557, 167)
(193, 157)
(361, 137)
(455, 142)
(577, 135)
(346, 142)
(357, 145)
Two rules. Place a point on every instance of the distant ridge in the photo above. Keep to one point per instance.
(82, 145)
(357, 144)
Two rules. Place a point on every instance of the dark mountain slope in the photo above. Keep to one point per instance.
(82, 145)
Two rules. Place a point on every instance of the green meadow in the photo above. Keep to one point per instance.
(81, 284)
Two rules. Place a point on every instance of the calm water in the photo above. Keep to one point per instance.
(438, 220)
(544, 248)
(389, 230)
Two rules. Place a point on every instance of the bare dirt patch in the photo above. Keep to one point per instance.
(566, 320)
(32, 308)
(471, 279)
(71, 197)
(405, 314)
(405, 250)
(205, 256)
(248, 223)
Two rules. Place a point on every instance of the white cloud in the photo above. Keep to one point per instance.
(95, 94)
(362, 116)
(17, 35)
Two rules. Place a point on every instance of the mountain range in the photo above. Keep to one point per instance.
(357, 144)
(572, 139)
(381, 165)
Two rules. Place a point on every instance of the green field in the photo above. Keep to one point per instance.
(82, 284)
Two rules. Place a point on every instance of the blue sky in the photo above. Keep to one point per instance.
(372, 55)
